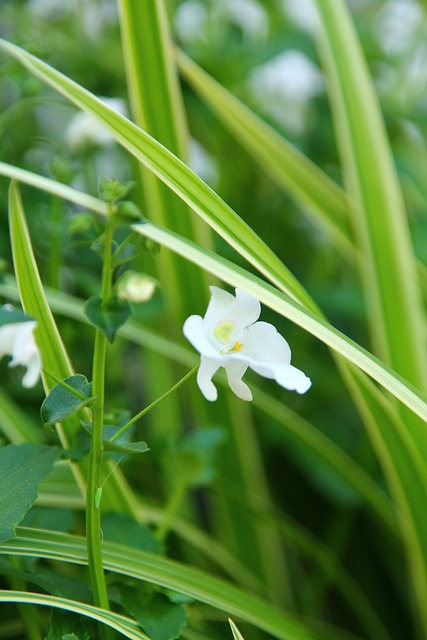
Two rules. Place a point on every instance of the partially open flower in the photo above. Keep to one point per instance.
(17, 340)
(229, 336)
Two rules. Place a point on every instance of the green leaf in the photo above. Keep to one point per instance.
(65, 625)
(191, 461)
(157, 615)
(12, 316)
(108, 316)
(63, 402)
(283, 304)
(197, 584)
(22, 468)
(174, 173)
(117, 527)
(122, 444)
(127, 627)
(236, 633)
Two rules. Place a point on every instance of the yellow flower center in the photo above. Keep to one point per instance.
(223, 330)
(222, 333)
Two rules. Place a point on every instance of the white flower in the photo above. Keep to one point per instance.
(229, 336)
(17, 340)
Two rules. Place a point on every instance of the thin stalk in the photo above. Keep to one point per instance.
(153, 404)
(93, 512)
(174, 502)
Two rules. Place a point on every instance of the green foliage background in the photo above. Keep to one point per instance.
(298, 516)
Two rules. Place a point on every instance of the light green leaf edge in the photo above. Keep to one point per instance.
(327, 204)
(285, 306)
(174, 173)
(170, 574)
(291, 170)
(313, 324)
(236, 633)
(126, 626)
(388, 268)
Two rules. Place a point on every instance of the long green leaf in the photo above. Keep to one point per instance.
(388, 268)
(157, 107)
(238, 277)
(298, 428)
(292, 171)
(195, 583)
(126, 626)
(54, 355)
(171, 171)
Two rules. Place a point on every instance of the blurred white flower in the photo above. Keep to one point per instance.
(229, 336)
(397, 26)
(302, 14)
(85, 130)
(17, 340)
(190, 19)
(249, 15)
(136, 287)
(46, 8)
(193, 19)
(284, 86)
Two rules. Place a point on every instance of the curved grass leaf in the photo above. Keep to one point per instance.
(238, 277)
(291, 170)
(174, 173)
(388, 268)
(127, 627)
(172, 575)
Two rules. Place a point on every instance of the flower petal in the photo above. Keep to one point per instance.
(248, 309)
(263, 343)
(8, 335)
(25, 352)
(208, 367)
(195, 332)
(235, 369)
(293, 379)
(219, 308)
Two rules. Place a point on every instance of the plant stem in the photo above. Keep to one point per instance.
(177, 496)
(93, 512)
(153, 404)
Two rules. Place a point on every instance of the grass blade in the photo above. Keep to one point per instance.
(238, 277)
(388, 267)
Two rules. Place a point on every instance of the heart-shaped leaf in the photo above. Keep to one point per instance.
(108, 316)
(65, 399)
(22, 468)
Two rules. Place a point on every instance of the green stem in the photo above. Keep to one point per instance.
(93, 511)
(172, 506)
(153, 404)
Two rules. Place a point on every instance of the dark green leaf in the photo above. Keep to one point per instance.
(160, 618)
(63, 402)
(108, 317)
(11, 316)
(122, 444)
(192, 460)
(118, 527)
(67, 626)
(22, 468)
